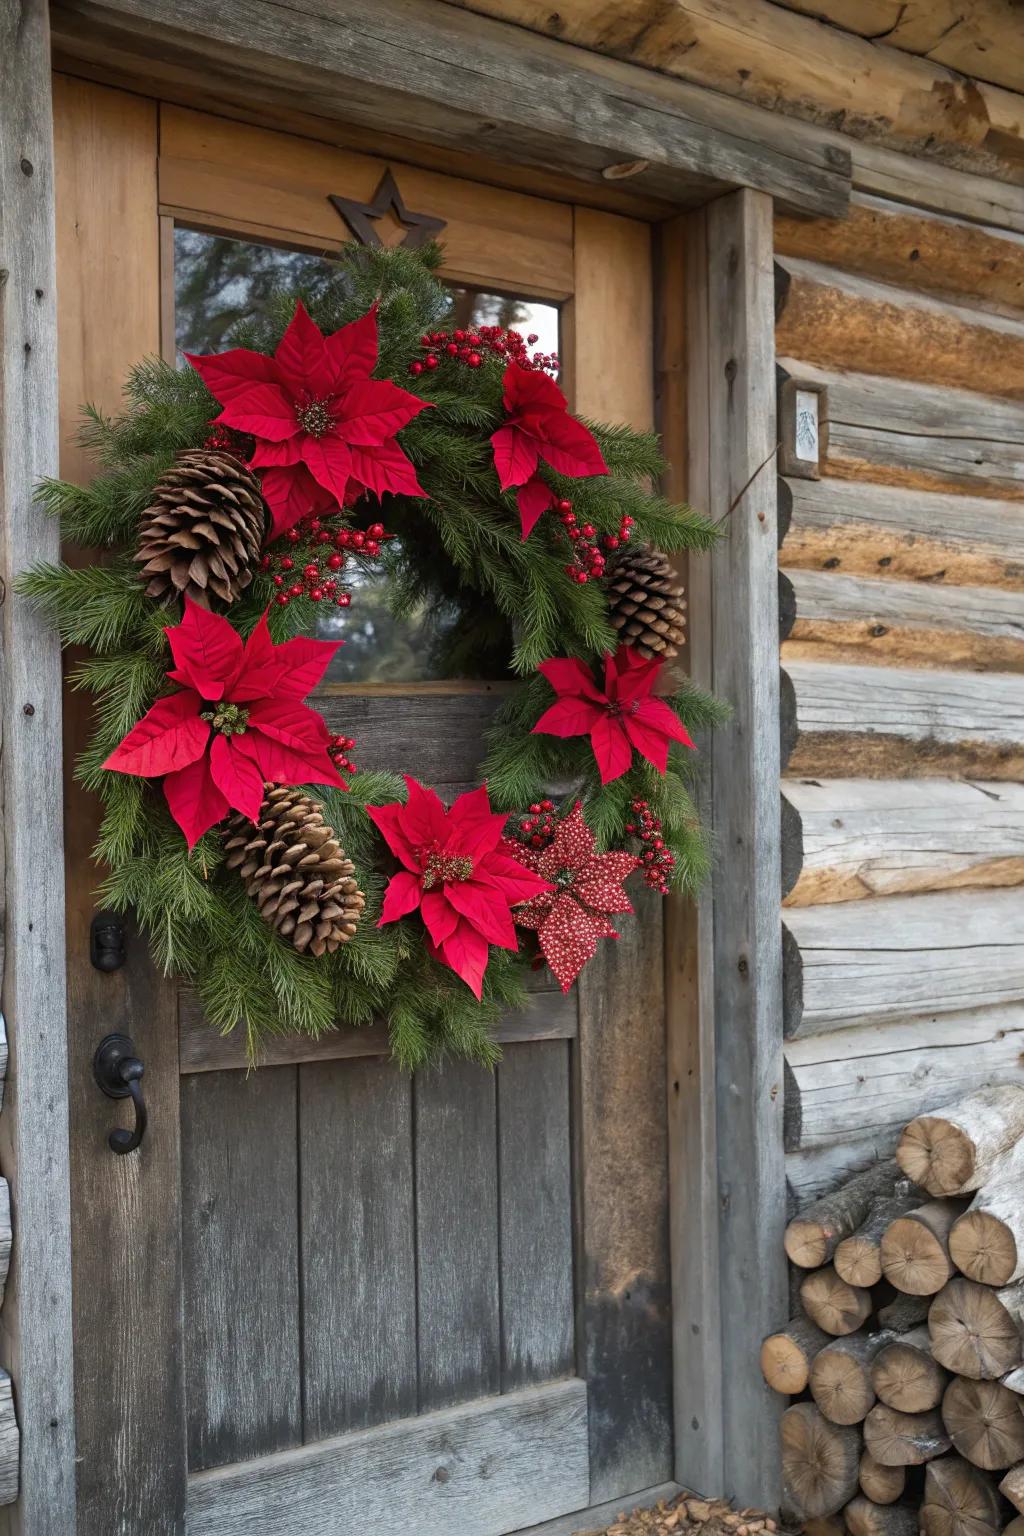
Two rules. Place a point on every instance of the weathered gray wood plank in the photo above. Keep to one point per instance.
(436, 737)
(35, 1335)
(481, 1469)
(745, 820)
(5, 1236)
(624, 1288)
(535, 1206)
(457, 1234)
(240, 1236)
(891, 837)
(358, 1257)
(10, 1443)
(549, 1017)
(880, 960)
(465, 81)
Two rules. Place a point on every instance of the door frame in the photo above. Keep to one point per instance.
(724, 964)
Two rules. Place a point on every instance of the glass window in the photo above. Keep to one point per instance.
(219, 282)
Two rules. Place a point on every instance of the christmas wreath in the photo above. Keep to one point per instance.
(353, 426)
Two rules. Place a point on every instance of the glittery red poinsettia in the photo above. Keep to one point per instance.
(237, 722)
(538, 426)
(570, 917)
(617, 718)
(325, 430)
(458, 873)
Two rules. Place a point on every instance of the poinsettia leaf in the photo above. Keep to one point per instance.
(569, 717)
(353, 350)
(570, 447)
(649, 742)
(302, 663)
(466, 952)
(568, 675)
(659, 716)
(233, 373)
(600, 884)
(194, 800)
(275, 455)
(374, 410)
(515, 456)
(207, 651)
(401, 897)
(533, 499)
(439, 915)
(530, 390)
(510, 877)
(302, 357)
(423, 815)
(472, 828)
(236, 776)
(485, 909)
(630, 676)
(265, 410)
(567, 940)
(612, 751)
(169, 736)
(385, 468)
(329, 462)
(280, 764)
(294, 725)
(292, 494)
(388, 821)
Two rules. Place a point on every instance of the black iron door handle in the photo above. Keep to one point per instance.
(118, 1071)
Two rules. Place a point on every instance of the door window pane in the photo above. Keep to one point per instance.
(220, 282)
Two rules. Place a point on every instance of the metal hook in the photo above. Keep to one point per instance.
(118, 1072)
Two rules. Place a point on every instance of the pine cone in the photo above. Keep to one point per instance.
(645, 601)
(203, 530)
(295, 871)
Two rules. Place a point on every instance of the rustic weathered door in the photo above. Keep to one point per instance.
(326, 1296)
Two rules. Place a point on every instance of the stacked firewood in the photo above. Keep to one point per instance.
(905, 1356)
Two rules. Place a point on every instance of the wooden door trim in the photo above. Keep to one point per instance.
(35, 1332)
(460, 81)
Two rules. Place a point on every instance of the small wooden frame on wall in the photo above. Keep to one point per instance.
(803, 428)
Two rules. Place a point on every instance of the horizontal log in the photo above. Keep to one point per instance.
(904, 534)
(1013, 1486)
(837, 1308)
(786, 1356)
(841, 618)
(858, 1258)
(201, 1048)
(461, 82)
(819, 1463)
(904, 1439)
(865, 962)
(904, 1374)
(915, 1248)
(811, 1237)
(865, 1518)
(975, 1330)
(892, 837)
(846, 321)
(882, 1485)
(984, 1423)
(841, 1377)
(954, 1150)
(865, 1082)
(817, 1170)
(899, 245)
(896, 722)
(959, 1500)
(919, 434)
(987, 1242)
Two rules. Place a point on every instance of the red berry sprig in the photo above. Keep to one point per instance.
(223, 440)
(588, 557)
(308, 560)
(340, 747)
(470, 347)
(657, 862)
(538, 828)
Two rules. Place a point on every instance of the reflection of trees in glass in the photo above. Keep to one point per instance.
(378, 647)
(472, 308)
(219, 282)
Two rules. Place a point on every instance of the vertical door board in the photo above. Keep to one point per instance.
(128, 1382)
(35, 1331)
(745, 812)
(358, 1245)
(535, 1184)
(240, 1261)
(457, 1234)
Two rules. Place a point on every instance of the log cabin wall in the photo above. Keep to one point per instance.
(902, 596)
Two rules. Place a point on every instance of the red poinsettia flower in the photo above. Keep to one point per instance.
(237, 723)
(538, 426)
(325, 430)
(617, 718)
(457, 874)
(587, 885)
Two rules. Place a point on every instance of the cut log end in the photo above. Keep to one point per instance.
(882, 1485)
(904, 1375)
(865, 1518)
(915, 1248)
(840, 1378)
(837, 1308)
(971, 1331)
(984, 1247)
(1012, 1487)
(958, 1500)
(985, 1422)
(805, 1243)
(786, 1356)
(953, 1151)
(819, 1462)
(904, 1439)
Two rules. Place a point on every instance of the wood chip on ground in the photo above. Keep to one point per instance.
(689, 1514)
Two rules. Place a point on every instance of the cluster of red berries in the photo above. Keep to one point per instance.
(588, 551)
(338, 750)
(224, 440)
(657, 861)
(538, 828)
(468, 347)
(308, 560)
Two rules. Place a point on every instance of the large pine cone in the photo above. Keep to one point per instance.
(295, 871)
(646, 603)
(203, 530)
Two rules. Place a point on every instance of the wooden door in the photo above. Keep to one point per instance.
(326, 1296)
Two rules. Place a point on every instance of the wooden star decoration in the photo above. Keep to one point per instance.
(360, 217)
